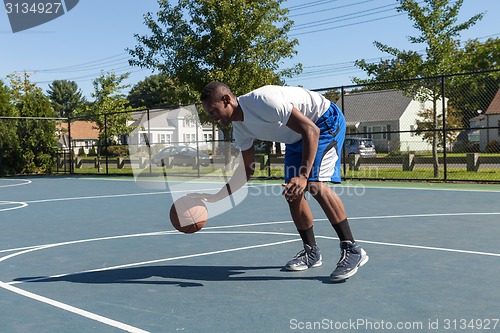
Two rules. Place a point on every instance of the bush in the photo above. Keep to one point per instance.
(92, 152)
(81, 152)
(118, 151)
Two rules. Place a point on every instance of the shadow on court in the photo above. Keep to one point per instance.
(187, 275)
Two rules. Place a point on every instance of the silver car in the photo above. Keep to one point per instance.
(181, 155)
(362, 146)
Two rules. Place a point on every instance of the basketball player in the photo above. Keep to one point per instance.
(313, 129)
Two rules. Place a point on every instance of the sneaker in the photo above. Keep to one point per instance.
(307, 258)
(352, 256)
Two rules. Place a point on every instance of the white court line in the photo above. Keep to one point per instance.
(129, 328)
(240, 226)
(116, 195)
(211, 189)
(156, 261)
(142, 263)
(346, 184)
(23, 182)
(8, 286)
(422, 215)
(104, 320)
(72, 309)
(19, 203)
(46, 246)
(207, 231)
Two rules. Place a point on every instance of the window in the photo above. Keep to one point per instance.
(412, 130)
(189, 138)
(377, 132)
(162, 138)
(208, 137)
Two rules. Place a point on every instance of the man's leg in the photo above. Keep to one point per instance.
(302, 217)
(352, 256)
(333, 207)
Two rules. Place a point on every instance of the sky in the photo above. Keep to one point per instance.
(93, 37)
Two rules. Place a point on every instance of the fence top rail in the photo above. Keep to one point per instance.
(35, 118)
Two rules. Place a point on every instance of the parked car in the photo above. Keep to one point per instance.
(181, 155)
(362, 146)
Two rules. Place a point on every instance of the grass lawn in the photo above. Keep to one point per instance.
(366, 172)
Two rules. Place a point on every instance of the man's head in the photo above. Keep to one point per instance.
(219, 102)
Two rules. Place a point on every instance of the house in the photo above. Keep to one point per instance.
(388, 117)
(179, 126)
(84, 134)
(491, 123)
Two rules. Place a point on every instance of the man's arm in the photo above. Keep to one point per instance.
(310, 136)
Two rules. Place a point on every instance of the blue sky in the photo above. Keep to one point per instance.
(94, 35)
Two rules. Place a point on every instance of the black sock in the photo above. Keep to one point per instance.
(343, 231)
(308, 236)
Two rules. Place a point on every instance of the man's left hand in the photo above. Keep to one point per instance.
(295, 188)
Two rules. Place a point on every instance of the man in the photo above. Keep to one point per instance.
(313, 130)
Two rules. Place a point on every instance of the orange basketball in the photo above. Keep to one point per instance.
(188, 215)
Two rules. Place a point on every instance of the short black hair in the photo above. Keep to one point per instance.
(212, 89)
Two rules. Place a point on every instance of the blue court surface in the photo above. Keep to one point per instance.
(100, 255)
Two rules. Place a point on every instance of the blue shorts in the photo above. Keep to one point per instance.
(326, 165)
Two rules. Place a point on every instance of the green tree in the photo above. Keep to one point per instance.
(470, 93)
(159, 90)
(242, 43)
(426, 127)
(37, 136)
(332, 95)
(65, 97)
(108, 110)
(9, 141)
(436, 20)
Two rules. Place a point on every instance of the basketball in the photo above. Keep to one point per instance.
(188, 215)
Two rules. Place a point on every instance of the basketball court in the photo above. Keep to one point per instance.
(100, 255)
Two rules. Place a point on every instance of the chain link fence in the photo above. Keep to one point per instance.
(443, 128)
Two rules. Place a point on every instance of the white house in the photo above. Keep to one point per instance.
(179, 126)
(388, 117)
(84, 135)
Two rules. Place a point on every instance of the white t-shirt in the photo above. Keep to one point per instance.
(266, 111)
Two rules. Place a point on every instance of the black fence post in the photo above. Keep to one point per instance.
(148, 143)
(106, 141)
(443, 106)
(268, 162)
(198, 164)
(70, 149)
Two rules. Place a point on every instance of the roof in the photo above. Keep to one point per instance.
(383, 105)
(494, 107)
(164, 118)
(83, 129)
